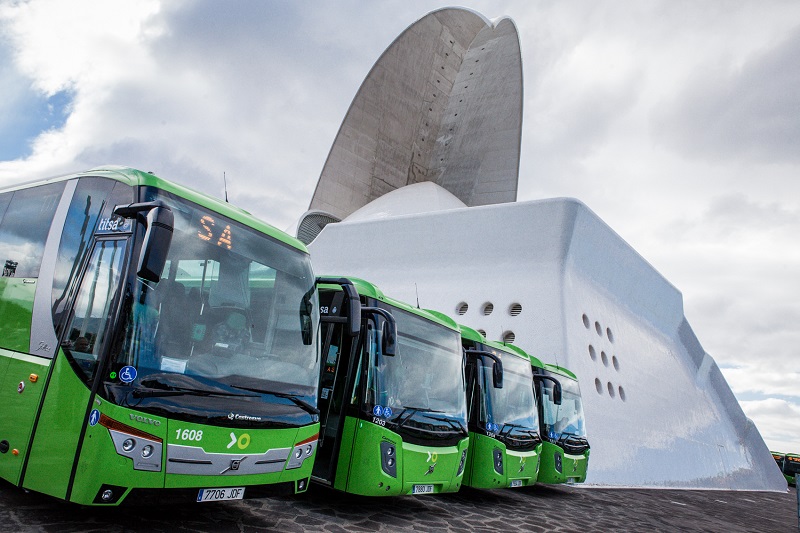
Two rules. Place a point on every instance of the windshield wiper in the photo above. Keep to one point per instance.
(426, 413)
(177, 391)
(530, 432)
(307, 407)
(156, 388)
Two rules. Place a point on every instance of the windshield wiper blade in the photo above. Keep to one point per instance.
(426, 413)
(304, 405)
(455, 424)
(157, 388)
(152, 393)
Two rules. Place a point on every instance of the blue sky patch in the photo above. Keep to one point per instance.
(29, 116)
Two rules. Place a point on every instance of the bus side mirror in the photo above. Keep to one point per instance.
(497, 375)
(157, 236)
(353, 314)
(557, 393)
(388, 330)
(388, 339)
(306, 323)
(157, 239)
(353, 303)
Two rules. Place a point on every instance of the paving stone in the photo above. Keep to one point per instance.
(533, 509)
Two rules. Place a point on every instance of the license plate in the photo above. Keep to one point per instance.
(219, 495)
(516, 483)
(422, 489)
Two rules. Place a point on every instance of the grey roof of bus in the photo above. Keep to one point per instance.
(134, 177)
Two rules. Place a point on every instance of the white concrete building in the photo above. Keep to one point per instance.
(548, 275)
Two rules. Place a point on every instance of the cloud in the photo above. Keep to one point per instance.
(750, 111)
(778, 421)
(770, 379)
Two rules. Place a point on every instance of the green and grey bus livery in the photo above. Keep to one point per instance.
(503, 418)
(154, 341)
(565, 453)
(392, 401)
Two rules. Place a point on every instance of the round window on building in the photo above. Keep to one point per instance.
(515, 309)
(488, 308)
(462, 308)
(509, 337)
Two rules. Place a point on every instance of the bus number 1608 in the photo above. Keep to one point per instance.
(188, 434)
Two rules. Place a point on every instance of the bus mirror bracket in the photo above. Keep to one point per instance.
(353, 303)
(388, 330)
(556, 387)
(497, 367)
(159, 223)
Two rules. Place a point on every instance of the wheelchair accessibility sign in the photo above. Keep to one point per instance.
(127, 374)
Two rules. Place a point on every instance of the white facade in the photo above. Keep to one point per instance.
(658, 411)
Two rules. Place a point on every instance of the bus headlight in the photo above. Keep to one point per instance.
(302, 451)
(388, 458)
(128, 445)
(462, 463)
(497, 454)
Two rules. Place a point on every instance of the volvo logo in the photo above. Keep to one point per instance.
(430, 469)
(145, 420)
(235, 464)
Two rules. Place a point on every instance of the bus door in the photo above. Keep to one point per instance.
(84, 339)
(334, 382)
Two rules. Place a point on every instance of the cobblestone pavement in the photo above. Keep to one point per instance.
(538, 508)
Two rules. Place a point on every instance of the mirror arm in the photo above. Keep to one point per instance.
(498, 381)
(353, 301)
(390, 322)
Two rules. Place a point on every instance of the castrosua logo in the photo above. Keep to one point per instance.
(237, 416)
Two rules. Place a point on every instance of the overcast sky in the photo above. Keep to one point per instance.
(677, 122)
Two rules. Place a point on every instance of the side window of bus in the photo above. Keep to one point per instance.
(92, 308)
(24, 229)
(93, 197)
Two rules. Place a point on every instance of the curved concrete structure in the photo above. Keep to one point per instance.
(442, 104)
(659, 413)
(561, 284)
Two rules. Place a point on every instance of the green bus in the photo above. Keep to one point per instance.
(504, 441)
(791, 468)
(392, 398)
(565, 453)
(155, 343)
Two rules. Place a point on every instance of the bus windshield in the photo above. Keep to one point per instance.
(425, 379)
(233, 314)
(567, 418)
(513, 404)
(792, 465)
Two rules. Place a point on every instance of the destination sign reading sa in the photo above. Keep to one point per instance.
(210, 233)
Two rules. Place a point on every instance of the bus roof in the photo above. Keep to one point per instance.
(134, 178)
(560, 370)
(476, 336)
(370, 290)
